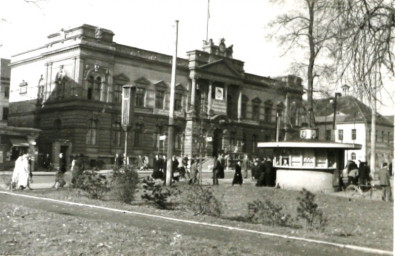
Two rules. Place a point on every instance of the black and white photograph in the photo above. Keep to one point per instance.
(197, 127)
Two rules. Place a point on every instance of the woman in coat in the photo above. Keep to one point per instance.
(237, 178)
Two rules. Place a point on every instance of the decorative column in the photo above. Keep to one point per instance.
(239, 105)
(209, 97)
(193, 95)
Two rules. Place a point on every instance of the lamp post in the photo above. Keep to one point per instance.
(128, 104)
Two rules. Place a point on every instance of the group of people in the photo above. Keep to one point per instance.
(183, 170)
(263, 172)
(361, 175)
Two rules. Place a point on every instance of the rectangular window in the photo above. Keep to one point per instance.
(328, 135)
(354, 134)
(382, 136)
(92, 132)
(159, 97)
(5, 113)
(137, 136)
(254, 143)
(268, 114)
(340, 137)
(177, 102)
(117, 93)
(6, 92)
(140, 94)
(255, 112)
(116, 129)
(244, 108)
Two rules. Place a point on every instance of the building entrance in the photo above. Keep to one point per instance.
(217, 141)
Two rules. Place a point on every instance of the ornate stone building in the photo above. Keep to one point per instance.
(71, 88)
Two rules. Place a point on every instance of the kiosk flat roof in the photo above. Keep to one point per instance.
(305, 144)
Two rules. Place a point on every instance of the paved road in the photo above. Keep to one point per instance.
(240, 238)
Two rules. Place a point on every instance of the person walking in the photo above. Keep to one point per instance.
(261, 174)
(193, 173)
(270, 175)
(156, 173)
(385, 183)
(216, 170)
(59, 180)
(77, 169)
(237, 178)
(21, 173)
(364, 174)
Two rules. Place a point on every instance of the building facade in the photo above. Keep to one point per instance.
(71, 89)
(353, 125)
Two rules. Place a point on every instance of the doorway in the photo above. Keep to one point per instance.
(217, 141)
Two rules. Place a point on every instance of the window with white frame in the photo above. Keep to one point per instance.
(340, 135)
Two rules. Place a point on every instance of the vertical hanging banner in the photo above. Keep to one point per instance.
(128, 102)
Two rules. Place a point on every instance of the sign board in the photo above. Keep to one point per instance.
(219, 93)
(209, 139)
(162, 137)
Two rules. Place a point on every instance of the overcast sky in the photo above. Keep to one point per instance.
(149, 24)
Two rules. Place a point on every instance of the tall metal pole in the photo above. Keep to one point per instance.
(170, 144)
(208, 17)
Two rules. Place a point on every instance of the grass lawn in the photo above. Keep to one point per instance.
(358, 222)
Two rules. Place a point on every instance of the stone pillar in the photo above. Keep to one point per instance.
(209, 97)
(193, 94)
(239, 105)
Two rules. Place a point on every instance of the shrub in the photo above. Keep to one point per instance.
(308, 210)
(124, 183)
(94, 183)
(157, 194)
(269, 213)
(201, 200)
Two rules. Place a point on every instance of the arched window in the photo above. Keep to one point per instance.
(256, 109)
(116, 131)
(268, 111)
(89, 93)
(353, 156)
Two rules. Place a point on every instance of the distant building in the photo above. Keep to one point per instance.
(4, 91)
(353, 125)
(13, 140)
(71, 89)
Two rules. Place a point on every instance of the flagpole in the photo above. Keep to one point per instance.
(170, 137)
(208, 17)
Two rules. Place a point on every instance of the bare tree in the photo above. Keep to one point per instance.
(364, 50)
(309, 28)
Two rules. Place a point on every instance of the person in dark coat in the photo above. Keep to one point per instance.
(221, 170)
(364, 174)
(216, 170)
(156, 173)
(261, 174)
(174, 168)
(255, 170)
(384, 178)
(237, 178)
(269, 173)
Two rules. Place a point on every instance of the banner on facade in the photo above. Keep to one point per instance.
(219, 93)
(125, 106)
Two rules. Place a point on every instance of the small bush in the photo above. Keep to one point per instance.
(124, 183)
(95, 184)
(201, 200)
(269, 213)
(308, 210)
(157, 194)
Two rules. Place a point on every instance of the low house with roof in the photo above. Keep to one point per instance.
(352, 124)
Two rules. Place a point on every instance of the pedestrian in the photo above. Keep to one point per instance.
(237, 178)
(255, 169)
(193, 173)
(174, 168)
(385, 183)
(364, 174)
(261, 174)
(221, 166)
(156, 173)
(270, 175)
(352, 172)
(216, 170)
(59, 180)
(77, 168)
(21, 173)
